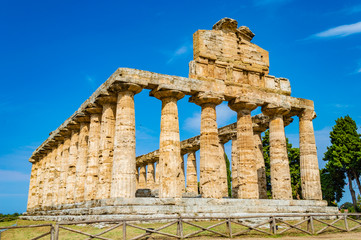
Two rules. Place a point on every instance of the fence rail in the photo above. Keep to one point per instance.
(262, 224)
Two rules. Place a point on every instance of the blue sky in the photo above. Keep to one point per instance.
(54, 54)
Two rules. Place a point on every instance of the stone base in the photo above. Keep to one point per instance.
(118, 208)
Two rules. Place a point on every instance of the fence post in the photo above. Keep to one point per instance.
(273, 225)
(229, 227)
(346, 223)
(180, 228)
(310, 226)
(124, 230)
(56, 232)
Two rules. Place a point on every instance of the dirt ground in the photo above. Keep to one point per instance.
(334, 236)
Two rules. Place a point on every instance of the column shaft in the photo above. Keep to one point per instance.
(50, 178)
(63, 171)
(310, 173)
(58, 163)
(107, 130)
(40, 182)
(235, 157)
(32, 186)
(260, 166)
(71, 168)
(223, 177)
(81, 164)
(280, 170)
(150, 176)
(142, 177)
(124, 162)
(91, 185)
(192, 181)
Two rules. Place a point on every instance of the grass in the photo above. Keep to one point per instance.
(28, 233)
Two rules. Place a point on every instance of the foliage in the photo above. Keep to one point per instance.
(229, 175)
(332, 183)
(343, 159)
(9, 217)
(294, 163)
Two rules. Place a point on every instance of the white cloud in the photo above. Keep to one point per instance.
(340, 31)
(183, 50)
(13, 176)
(353, 9)
(193, 124)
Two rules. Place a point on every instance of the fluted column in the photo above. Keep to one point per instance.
(211, 159)
(92, 171)
(124, 162)
(50, 176)
(57, 166)
(63, 170)
(235, 158)
(73, 157)
(279, 163)
(246, 166)
(81, 164)
(192, 181)
(182, 176)
(45, 177)
(223, 177)
(32, 186)
(260, 165)
(142, 177)
(310, 173)
(40, 180)
(169, 146)
(157, 175)
(107, 131)
(150, 176)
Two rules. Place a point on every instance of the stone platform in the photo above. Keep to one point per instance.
(117, 208)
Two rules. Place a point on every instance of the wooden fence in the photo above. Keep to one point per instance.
(262, 224)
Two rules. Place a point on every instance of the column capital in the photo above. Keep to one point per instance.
(206, 97)
(307, 114)
(65, 132)
(274, 110)
(94, 109)
(106, 99)
(73, 126)
(123, 87)
(242, 107)
(166, 93)
(82, 117)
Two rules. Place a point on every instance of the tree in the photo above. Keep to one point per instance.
(294, 160)
(344, 154)
(332, 183)
(229, 175)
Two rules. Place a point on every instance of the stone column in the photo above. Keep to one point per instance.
(150, 176)
(107, 130)
(260, 165)
(142, 177)
(279, 163)
(235, 158)
(157, 175)
(223, 177)
(49, 183)
(246, 166)
(58, 163)
(211, 159)
(124, 161)
(170, 160)
(192, 181)
(45, 177)
(81, 164)
(182, 175)
(92, 172)
(63, 169)
(32, 186)
(310, 173)
(73, 156)
(40, 180)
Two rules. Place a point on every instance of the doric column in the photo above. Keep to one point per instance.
(81, 164)
(235, 159)
(310, 173)
(58, 163)
(40, 180)
(142, 177)
(279, 163)
(223, 177)
(45, 177)
(157, 175)
(124, 163)
(50, 176)
(211, 159)
(64, 168)
(107, 130)
(73, 156)
(192, 181)
(32, 186)
(92, 171)
(246, 166)
(182, 176)
(260, 165)
(169, 146)
(150, 176)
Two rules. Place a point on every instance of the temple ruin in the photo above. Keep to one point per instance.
(87, 168)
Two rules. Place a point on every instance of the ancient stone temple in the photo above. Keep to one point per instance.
(87, 168)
